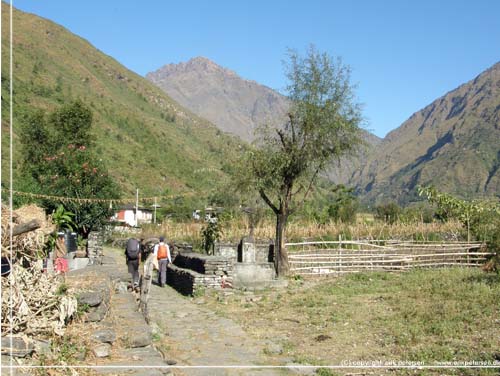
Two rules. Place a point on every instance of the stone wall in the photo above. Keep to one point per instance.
(95, 244)
(193, 271)
(204, 264)
(248, 264)
(188, 282)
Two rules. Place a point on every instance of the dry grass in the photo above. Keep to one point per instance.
(234, 230)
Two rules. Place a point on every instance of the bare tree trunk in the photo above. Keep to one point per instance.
(280, 253)
(26, 227)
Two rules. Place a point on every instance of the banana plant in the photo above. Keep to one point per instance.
(63, 219)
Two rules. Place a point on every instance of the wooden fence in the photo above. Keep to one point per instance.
(337, 257)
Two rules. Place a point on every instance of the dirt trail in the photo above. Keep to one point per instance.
(199, 341)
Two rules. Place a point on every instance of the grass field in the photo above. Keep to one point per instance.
(424, 316)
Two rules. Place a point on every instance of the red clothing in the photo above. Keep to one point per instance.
(61, 265)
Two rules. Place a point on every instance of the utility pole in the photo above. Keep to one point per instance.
(136, 206)
(154, 217)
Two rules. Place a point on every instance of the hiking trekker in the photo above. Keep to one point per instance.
(133, 256)
(162, 253)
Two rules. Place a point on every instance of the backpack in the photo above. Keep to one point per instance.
(132, 249)
(162, 252)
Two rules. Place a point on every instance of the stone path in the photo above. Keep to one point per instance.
(198, 341)
(198, 337)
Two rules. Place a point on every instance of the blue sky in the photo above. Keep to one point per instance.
(403, 54)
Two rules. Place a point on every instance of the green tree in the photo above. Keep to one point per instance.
(389, 213)
(344, 205)
(322, 126)
(59, 159)
(480, 218)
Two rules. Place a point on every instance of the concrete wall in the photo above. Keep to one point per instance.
(227, 250)
(253, 276)
(260, 251)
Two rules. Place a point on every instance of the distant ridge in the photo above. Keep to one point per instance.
(218, 94)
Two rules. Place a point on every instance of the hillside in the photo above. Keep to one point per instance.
(453, 143)
(237, 105)
(218, 94)
(147, 139)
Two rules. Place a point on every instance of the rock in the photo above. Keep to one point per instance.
(42, 347)
(302, 369)
(171, 362)
(96, 313)
(91, 298)
(155, 329)
(104, 335)
(201, 301)
(140, 339)
(102, 350)
(121, 287)
(20, 347)
(274, 348)
(81, 354)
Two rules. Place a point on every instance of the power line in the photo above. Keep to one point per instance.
(96, 200)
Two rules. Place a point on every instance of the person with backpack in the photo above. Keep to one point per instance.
(162, 253)
(133, 256)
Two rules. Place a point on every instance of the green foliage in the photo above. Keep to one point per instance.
(344, 205)
(62, 289)
(199, 292)
(63, 219)
(180, 208)
(60, 160)
(417, 214)
(211, 233)
(67, 350)
(325, 372)
(139, 147)
(322, 126)
(81, 309)
(480, 218)
(388, 213)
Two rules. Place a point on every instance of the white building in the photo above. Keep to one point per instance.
(127, 215)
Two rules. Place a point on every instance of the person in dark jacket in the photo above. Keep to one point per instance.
(133, 253)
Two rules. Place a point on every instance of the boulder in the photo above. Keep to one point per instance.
(91, 298)
(104, 335)
(102, 350)
(17, 346)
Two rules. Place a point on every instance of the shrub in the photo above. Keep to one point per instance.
(389, 213)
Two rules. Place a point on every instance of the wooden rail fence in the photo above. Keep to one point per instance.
(338, 257)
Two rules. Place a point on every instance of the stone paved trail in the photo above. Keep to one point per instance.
(194, 336)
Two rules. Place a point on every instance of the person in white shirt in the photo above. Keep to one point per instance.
(162, 253)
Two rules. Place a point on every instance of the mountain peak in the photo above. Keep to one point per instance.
(234, 104)
(200, 64)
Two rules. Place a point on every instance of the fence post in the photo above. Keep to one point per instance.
(340, 253)
(146, 286)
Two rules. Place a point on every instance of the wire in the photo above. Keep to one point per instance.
(96, 200)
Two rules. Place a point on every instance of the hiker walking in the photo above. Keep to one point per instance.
(133, 255)
(162, 253)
